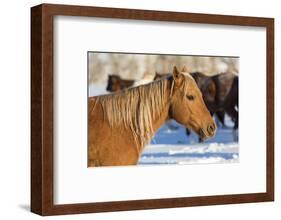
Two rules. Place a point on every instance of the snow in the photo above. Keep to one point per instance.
(190, 154)
(171, 145)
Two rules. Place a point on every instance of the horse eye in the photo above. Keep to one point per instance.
(190, 97)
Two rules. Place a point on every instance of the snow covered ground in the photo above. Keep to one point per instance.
(190, 154)
(171, 144)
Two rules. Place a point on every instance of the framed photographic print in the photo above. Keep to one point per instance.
(138, 109)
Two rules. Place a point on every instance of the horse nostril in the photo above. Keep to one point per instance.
(211, 129)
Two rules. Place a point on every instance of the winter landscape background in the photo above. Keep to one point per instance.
(170, 144)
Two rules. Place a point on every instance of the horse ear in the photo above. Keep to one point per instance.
(176, 73)
(177, 76)
(184, 69)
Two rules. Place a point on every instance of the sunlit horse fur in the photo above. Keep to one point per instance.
(121, 124)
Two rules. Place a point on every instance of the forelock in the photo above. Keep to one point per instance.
(188, 75)
(189, 80)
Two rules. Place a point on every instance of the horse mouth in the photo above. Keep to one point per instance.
(203, 134)
(199, 131)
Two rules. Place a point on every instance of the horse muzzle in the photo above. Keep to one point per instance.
(211, 129)
(208, 132)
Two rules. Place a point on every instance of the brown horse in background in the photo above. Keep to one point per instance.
(227, 95)
(122, 123)
(116, 83)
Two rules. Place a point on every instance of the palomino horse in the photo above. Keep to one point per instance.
(122, 123)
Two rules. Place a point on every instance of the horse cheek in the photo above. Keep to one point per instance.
(181, 112)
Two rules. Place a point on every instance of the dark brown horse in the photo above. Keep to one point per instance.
(227, 95)
(116, 83)
(122, 123)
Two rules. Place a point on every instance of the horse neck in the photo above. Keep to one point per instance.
(164, 116)
(162, 119)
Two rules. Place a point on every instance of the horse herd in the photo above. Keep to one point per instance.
(123, 122)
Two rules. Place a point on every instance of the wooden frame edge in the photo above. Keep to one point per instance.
(270, 109)
(41, 110)
(36, 109)
(134, 205)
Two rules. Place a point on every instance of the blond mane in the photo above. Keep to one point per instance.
(136, 108)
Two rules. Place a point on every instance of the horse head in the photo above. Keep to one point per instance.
(187, 106)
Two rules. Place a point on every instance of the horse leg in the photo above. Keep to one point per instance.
(187, 131)
(221, 115)
(233, 113)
